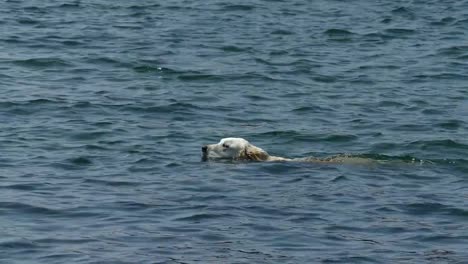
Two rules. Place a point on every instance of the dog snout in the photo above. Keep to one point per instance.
(204, 148)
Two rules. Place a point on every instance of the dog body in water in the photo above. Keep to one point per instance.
(241, 150)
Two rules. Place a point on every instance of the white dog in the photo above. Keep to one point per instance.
(236, 149)
(241, 149)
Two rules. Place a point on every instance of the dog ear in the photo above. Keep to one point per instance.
(254, 153)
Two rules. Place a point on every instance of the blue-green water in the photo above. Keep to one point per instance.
(104, 106)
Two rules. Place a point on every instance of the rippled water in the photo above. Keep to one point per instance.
(104, 106)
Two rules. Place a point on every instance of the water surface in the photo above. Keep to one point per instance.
(104, 107)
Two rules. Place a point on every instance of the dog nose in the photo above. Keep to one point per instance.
(204, 148)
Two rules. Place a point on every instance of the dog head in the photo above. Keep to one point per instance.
(233, 149)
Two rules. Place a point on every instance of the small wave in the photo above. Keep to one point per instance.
(232, 48)
(29, 209)
(201, 77)
(202, 216)
(338, 32)
(114, 183)
(311, 109)
(42, 63)
(340, 138)
(81, 161)
(22, 186)
(433, 208)
(32, 102)
(388, 103)
(440, 76)
(444, 21)
(451, 124)
(19, 244)
(90, 135)
(282, 32)
(282, 134)
(453, 51)
(400, 31)
(147, 68)
(70, 5)
(445, 143)
(72, 43)
(238, 7)
(339, 35)
(144, 6)
(404, 12)
(170, 108)
(27, 21)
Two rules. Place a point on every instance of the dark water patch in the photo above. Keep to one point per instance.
(386, 20)
(256, 98)
(106, 61)
(86, 136)
(282, 168)
(237, 7)
(433, 111)
(73, 43)
(340, 138)
(23, 208)
(131, 205)
(453, 51)
(111, 182)
(42, 63)
(13, 40)
(387, 103)
(198, 217)
(178, 107)
(423, 208)
(233, 48)
(400, 32)
(441, 76)
(311, 109)
(283, 134)
(74, 5)
(31, 103)
(404, 12)
(451, 124)
(20, 244)
(324, 78)
(23, 186)
(81, 161)
(375, 37)
(449, 20)
(437, 144)
(152, 67)
(28, 21)
(295, 95)
(60, 257)
(144, 6)
(461, 22)
(146, 69)
(201, 77)
(338, 32)
(410, 127)
(339, 35)
(133, 27)
(282, 32)
(64, 241)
